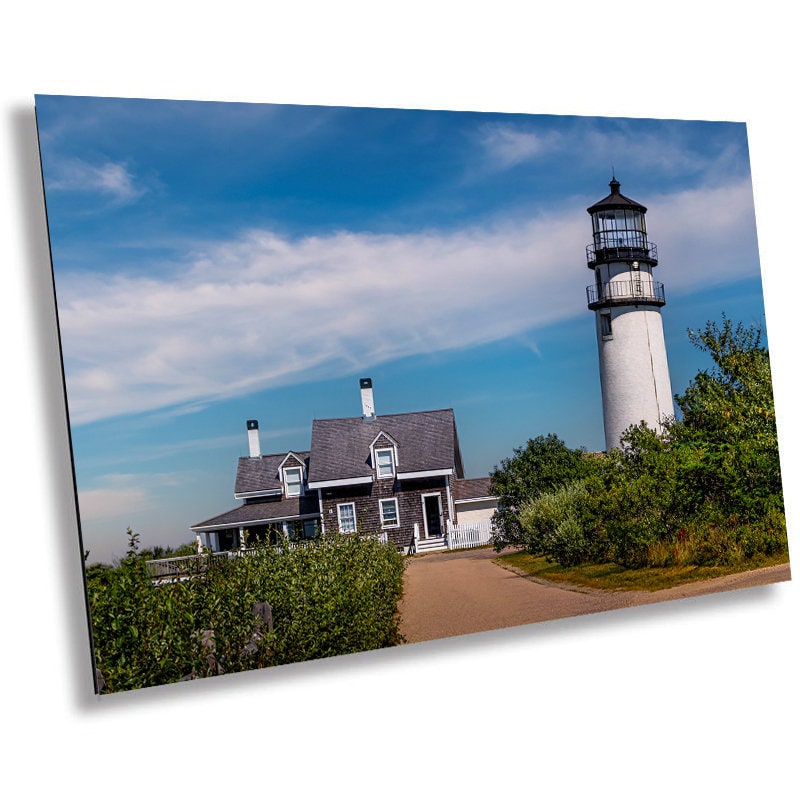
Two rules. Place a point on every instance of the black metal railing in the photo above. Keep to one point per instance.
(637, 290)
(647, 252)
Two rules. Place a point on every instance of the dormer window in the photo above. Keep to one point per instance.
(293, 481)
(384, 462)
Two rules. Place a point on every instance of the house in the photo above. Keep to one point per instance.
(401, 475)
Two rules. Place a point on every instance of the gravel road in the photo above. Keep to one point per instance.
(459, 592)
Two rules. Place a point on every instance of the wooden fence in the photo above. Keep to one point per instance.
(469, 534)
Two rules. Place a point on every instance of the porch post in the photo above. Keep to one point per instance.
(321, 513)
(450, 511)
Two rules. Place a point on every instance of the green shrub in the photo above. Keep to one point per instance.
(331, 596)
(557, 525)
(732, 540)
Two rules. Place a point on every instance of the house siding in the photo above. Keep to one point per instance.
(367, 497)
(476, 511)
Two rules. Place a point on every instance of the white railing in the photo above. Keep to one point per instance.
(179, 566)
(468, 534)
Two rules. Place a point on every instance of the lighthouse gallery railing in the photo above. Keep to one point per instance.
(633, 291)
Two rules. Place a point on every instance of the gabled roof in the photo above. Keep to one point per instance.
(261, 513)
(426, 440)
(261, 475)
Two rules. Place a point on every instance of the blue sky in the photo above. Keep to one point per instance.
(216, 262)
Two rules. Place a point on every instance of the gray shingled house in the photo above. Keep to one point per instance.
(397, 474)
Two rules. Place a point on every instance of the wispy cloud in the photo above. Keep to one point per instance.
(663, 151)
(110, 502)
(263, 310)
(125, 494)
(507, 146)
(110, 179)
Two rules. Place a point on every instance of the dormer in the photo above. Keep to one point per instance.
(292, 473)
(384, 456)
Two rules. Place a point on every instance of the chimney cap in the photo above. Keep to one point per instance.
(252, 424)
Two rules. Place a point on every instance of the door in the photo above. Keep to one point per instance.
(432, 510)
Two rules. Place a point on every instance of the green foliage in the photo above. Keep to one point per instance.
(157, 551)
(332, 596)
(556, 524)
(728, 432)
(543, 465)
(707, 491)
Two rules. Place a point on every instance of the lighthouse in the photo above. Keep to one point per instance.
(627, 302)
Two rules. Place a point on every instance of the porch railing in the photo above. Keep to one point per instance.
(180, 566)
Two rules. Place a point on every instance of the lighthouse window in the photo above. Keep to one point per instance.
(605, 324)
(619, 228)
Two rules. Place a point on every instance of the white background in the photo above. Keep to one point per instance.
(695, 698)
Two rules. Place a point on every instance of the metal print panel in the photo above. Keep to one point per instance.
(341, 379)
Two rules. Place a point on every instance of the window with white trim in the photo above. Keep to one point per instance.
(389, 513)
(347, 517)
(293, 481)
(384, 462)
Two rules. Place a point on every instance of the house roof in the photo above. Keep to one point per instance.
(260, 513)
(426, 441)
(471, 489)
(262, 473)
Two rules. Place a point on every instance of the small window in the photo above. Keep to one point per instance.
(605, 324)
(310, 529)
(384, 460)
(347, 517)
(293, 480)
(389, 516)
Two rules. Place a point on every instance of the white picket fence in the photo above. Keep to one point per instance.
(468, 534)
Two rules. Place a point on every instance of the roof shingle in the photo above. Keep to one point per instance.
(426, 440)
(261, 474)
(259, 513)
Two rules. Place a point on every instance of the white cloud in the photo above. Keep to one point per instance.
(507, 146)
(75, 175)
(125, 494)
(112, 502)
(655, 152)
(263, 310)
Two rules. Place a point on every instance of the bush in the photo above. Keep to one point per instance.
(732, 541)
(714, 474)
(542, 466)
(331, 596)
(556, 525)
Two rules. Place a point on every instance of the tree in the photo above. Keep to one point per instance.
(705, 490)
(543, 465)
(728, 431)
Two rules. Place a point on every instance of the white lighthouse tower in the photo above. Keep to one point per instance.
(634, 376)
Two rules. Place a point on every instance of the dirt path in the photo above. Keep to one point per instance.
(453, 593)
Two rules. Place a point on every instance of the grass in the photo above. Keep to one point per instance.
(614, 578)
